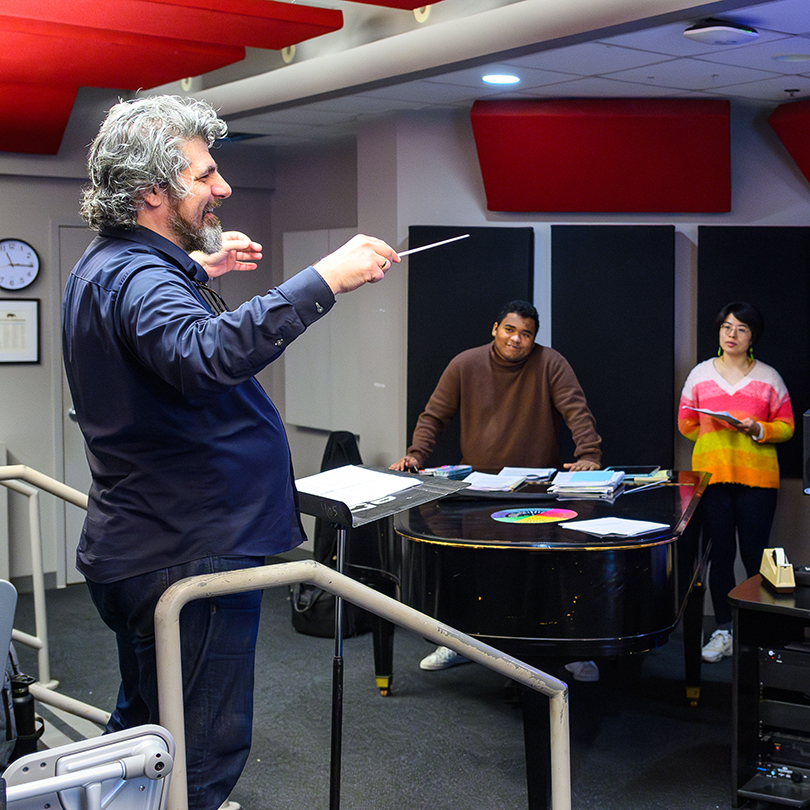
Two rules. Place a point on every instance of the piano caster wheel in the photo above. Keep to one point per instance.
(385, 692)
(692, 695)
(384, 685)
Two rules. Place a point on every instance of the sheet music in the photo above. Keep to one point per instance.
(354, 485)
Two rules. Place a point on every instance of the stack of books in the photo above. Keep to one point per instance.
(606, 484)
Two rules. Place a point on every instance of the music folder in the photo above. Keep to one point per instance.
(356, 494)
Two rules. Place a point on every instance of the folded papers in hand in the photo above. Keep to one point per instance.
(724, 416)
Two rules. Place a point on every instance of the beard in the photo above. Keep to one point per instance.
(206, 237)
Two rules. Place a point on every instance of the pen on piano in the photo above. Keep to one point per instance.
(659, 484)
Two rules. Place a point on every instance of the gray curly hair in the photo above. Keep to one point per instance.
(140, 146)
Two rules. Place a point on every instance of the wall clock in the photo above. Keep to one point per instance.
(19, 264)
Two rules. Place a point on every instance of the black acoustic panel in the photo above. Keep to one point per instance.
(770, 268)
(454, 296)
(612, 304)
(806, 453)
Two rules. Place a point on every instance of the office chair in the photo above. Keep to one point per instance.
(125, 770)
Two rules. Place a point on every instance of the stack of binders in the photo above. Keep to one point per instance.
(595, 484)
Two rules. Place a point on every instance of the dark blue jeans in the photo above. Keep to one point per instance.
(218, 643)
(732, 511)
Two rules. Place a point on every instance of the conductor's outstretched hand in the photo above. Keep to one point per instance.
(362, 260)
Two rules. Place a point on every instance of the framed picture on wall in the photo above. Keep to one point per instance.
(19, 330)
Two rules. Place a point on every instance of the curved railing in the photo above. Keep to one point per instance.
(167, 630)
(170, 677)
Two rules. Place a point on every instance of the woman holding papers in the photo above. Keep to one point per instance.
(735, 408)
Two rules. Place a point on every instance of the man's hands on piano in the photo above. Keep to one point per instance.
(406, 464)
(581, 464)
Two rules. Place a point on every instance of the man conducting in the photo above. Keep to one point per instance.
(511, 395)
(191, 471)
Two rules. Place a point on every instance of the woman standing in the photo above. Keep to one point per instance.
(740, 500)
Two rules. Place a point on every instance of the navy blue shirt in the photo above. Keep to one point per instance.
(188, 454)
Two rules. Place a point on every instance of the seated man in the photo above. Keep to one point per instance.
(511, 395)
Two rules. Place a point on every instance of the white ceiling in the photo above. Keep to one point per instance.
(655, 60)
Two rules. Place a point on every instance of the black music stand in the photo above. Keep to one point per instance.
(344, 517)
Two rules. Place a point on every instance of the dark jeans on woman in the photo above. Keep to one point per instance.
(218, 642)
(731, 511)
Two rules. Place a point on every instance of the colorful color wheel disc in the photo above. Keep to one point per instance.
(550, 515)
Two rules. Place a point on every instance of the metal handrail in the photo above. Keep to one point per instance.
(13, 477)
(167, 637)
(45, 483)
(170, 675)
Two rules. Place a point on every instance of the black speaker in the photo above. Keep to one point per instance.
(806, 465)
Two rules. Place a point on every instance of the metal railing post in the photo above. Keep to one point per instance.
(28, 482)
(39, 641)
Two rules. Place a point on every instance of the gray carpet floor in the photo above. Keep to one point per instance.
(445, 740)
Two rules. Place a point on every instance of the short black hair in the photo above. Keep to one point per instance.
(745, 313)
(522, 308)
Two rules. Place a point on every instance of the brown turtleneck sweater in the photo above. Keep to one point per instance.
(510, 412)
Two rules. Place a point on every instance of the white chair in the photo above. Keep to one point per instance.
(8, 605)
(126, 770)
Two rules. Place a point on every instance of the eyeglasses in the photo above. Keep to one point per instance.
(741, 329)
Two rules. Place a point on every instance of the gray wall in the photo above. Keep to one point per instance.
(419, 169)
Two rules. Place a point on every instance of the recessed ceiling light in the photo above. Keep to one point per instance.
(719, 32)
(792, 57)
(501, 78)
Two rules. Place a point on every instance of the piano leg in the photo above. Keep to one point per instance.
(692, 565)
(383, 635)
(693, 640)
(537, 744)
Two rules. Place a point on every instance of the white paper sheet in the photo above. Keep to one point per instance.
(354, 485)
(621, 527)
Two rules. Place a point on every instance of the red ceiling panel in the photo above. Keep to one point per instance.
(246, 23)
(96, 59)
(791, 123)
(52, 47)
(36, 117)
(405, 4)
(604, 155)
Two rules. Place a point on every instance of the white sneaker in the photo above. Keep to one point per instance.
(720, 645)
(442, 658)
(585, 671)
(229, 805)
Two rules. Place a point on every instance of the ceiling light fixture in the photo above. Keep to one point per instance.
(719, 32)
(792, 57)
(501, 78)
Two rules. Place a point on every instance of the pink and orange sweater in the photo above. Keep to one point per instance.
(729, 455)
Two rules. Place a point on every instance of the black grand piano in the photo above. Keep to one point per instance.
(541, 592)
